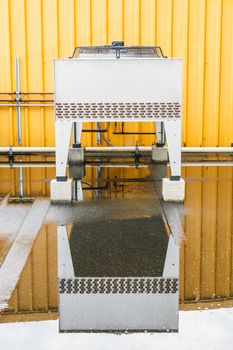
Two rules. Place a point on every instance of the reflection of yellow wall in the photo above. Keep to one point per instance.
(198, 31)
(206, 265)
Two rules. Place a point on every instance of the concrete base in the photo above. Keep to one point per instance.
(76, 155)
(159, 154)
(61, 192)
(173, 191)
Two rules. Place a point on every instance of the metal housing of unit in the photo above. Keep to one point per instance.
(110, 89)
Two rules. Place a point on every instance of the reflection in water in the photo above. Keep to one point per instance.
(206, 274)
(119, 270)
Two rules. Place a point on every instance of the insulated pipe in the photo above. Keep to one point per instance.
(27, 105)
(114, 149)
(110, 165)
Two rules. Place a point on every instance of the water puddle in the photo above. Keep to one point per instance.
(122, 203)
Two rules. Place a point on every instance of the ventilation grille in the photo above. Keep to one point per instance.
(118, 285)
(118, 111)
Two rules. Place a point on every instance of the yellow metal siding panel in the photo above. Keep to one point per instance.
(115, 20)
(180, 49)
(200, 32)
(50, 51)
(211, 74)
(164, 21)
(196, 44)
(99, 22)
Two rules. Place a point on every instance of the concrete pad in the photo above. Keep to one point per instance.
(173, 191)
(61, 191)
(159, 154)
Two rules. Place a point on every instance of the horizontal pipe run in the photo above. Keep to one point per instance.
(111, 165)
(120, 149)
(27, 105)
(27, 93)
(207, 149)
(52, 165)
(132, 133)
(26, 100)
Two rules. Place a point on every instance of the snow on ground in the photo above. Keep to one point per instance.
(207, 330)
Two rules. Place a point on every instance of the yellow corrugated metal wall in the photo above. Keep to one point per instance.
(199, 31)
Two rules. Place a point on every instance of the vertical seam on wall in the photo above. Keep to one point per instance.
(187, 71)
(123, 19)
(231, 239)
(216, 237)
(47, 266)
(26, 110)
(204, 79)
(43, 111)
(90, 22)
(42, 71)
(106, 21)
(139, 21)
(58, 29)
(220, 72)
(155, 33)
(75, 19)
(10, 109)
(171, 29)
(201, 238)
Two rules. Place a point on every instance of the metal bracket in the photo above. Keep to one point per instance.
(61, 178)
(137, 154)
(174, 178)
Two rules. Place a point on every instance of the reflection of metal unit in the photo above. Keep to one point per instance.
(117, 83)
(113, 277)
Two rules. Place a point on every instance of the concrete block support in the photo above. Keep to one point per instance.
(159, 154)
(173, 191)
(61, 191)
(76, 155)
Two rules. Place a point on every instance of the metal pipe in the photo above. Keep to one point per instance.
(116, 149)
(110, 165)
(26, 100)
(27, 105)
(17, 98)
(20, 150)
(27, 93)
(207, 149)
(132, 133)
(20, 174)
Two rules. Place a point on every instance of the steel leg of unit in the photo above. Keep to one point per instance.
(61, 188)
(173, 189)
(173, 136)
(63, 131)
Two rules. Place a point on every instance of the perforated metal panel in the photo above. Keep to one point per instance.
(118, 285)
(115, 111)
